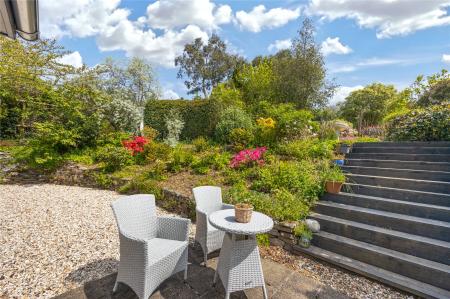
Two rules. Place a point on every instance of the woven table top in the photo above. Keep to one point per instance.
(225, 221)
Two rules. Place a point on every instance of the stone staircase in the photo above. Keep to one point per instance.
(392, 220)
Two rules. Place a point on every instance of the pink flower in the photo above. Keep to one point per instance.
(248, 157)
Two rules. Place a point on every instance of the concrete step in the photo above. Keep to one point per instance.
(399, 173)
(429, 228)
(403, 144)
(399, 157)
(431, 198)
(423, 270)
(400, 183)
(390, 278)
(419, 165)
(440, 150)
(430, 249)
(391, 205)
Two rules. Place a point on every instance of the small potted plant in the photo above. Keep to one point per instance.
(334, 179)
(344, 148)
(243, 212)
(304, 235)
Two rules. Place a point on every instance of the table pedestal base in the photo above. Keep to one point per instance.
(239, 265)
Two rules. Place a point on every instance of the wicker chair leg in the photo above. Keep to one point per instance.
(227, 296)
(116, 285)
(205, 258)
(265, 292)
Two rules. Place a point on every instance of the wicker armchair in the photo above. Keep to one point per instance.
(208, 199)
(151, 248)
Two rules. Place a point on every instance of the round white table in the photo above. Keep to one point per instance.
(239, 265)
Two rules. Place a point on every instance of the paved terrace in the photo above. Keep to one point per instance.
(281, 281)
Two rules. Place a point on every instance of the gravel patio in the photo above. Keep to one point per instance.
(62, 241)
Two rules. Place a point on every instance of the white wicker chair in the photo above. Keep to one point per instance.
(208, 199)
(152, 248)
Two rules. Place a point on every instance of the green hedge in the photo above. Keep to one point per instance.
(199, 117)
(430, 124)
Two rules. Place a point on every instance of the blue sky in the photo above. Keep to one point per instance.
(363, 41)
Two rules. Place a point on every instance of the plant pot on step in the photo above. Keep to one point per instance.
(333, 187)
(243, 212)
(344, 149)
(304, 241)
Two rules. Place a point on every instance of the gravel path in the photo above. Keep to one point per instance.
(54, 238)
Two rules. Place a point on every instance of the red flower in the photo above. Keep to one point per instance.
(248, 157)
(136, 145)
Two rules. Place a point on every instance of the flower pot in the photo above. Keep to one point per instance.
(304, 242)
(243, 213)
(344, 149)
(339, 162)
(333, 187)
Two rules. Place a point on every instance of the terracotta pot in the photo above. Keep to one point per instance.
(333, 187)
(243, 213)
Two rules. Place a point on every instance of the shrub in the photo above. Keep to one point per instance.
(149, 133)
(308, 148)
(232, 118)
(326, 131)
(181, 158)
(240, 138)
(135, 145)
(213, 160)
(265, 131)
(113, 157)
(156, 151)
(302, 178)
(281, 204)
(431, 124)
(123, 115)
(142, 185)
(199, 117)
(438, 93)
(174, 126)
(200, 144)
(248, 157)
(158, 171)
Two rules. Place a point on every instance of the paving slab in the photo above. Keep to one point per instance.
(281, 282)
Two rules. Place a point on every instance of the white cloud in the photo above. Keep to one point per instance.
(169, 94)
(446, 58)
(388, 17)
(160, 49)
(334, 46)
(280, 44)
(342, 92)
(180, 13)
(258, 18)
(74, 59)
(370, 62)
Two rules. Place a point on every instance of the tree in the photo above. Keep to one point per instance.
(133, 80)
(368, 106)
(301, 72)
(206, 65)
(431, 90)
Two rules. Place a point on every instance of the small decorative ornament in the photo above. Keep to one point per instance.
(313, 225)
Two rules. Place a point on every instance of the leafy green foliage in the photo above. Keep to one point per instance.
(205, 65)
(142, 185)
(114, 158)
(438, 93)
(302, 178)
(174, 126)
(240, 138)
(302, 231)
(334, 174)
(368, 106)
(232, 118)
(199, 117)
(200, 144)
(308, 148)
(154, 151)
(431, 124)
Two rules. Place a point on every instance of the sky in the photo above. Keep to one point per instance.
(387, 41)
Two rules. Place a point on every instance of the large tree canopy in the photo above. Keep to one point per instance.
(300, 72)
(206, 65)
(368, 106)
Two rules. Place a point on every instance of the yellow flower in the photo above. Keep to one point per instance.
(267, 123)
